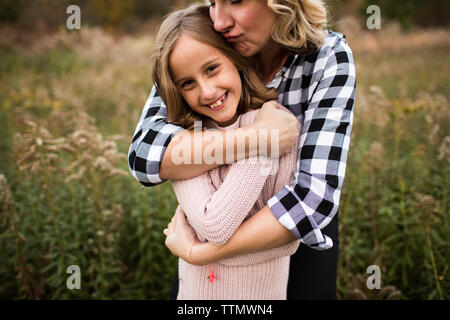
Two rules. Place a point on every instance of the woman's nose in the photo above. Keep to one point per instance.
(222, 19)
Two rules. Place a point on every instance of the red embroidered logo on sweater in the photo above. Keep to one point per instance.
(211, 276)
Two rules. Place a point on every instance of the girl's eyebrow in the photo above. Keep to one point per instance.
(207, 63)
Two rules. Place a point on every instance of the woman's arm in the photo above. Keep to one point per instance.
(312, 200)
(248, 239)
(149, 142)
(308, 205)
(270, 118)
(151, 164)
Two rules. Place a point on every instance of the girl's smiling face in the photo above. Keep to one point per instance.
(208, 81)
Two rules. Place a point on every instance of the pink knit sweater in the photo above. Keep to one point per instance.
(216, 203)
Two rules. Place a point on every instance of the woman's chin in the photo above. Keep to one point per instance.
(244, 50)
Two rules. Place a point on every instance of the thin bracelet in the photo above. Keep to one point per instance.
(189, 251)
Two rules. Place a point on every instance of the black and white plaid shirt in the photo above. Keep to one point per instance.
(319, 89)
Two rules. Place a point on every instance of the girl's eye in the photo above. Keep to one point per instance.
(212, 3)
(211, 68)
(186, 84)
(236, 1)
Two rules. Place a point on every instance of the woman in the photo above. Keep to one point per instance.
(219, 88)
(314, 73)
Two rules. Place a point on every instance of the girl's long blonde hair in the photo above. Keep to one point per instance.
(300, 25)
(196, 22)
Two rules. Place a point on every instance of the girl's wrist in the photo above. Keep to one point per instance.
(203, 253)
(189, 250)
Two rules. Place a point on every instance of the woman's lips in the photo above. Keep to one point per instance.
(232, 38)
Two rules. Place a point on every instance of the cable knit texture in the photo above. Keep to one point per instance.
(216, 203)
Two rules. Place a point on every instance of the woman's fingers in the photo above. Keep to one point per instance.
(277, 120)
(275, 104)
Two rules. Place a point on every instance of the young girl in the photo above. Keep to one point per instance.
(200, 77)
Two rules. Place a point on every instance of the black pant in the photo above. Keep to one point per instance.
(312, 273)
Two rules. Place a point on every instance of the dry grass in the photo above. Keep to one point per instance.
(390, 38)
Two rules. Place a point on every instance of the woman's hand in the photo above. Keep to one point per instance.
(182, 241)
(273, 117)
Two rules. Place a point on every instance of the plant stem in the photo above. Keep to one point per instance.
(99, 228)
(46, 178)
(433, 263)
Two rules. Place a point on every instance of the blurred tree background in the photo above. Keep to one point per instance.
(70, 102)
(410, 13)
(129, 15)
(114, 15)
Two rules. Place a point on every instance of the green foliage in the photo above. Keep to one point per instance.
(120, 250)
(412, 12)
(394, 208)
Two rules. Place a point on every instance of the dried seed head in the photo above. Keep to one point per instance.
(6, 199)
(444, 150)
(374, 157)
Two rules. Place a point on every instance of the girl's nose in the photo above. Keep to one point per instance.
(223, 21)
(208, 92)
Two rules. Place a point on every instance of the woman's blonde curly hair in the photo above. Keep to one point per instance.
(300, 25)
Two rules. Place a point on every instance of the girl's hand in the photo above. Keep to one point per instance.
(273, 117)
(180, 235)
(182, 241)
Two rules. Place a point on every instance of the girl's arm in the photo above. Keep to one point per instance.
(151, 164)
(261, 254)
(216, 214)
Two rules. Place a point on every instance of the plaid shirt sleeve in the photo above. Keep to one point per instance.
(312, 200)
(150, 140)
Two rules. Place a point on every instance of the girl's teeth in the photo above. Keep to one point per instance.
(218, 103)
(215, 105)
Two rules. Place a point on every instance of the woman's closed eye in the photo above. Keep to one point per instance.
(213, 3)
